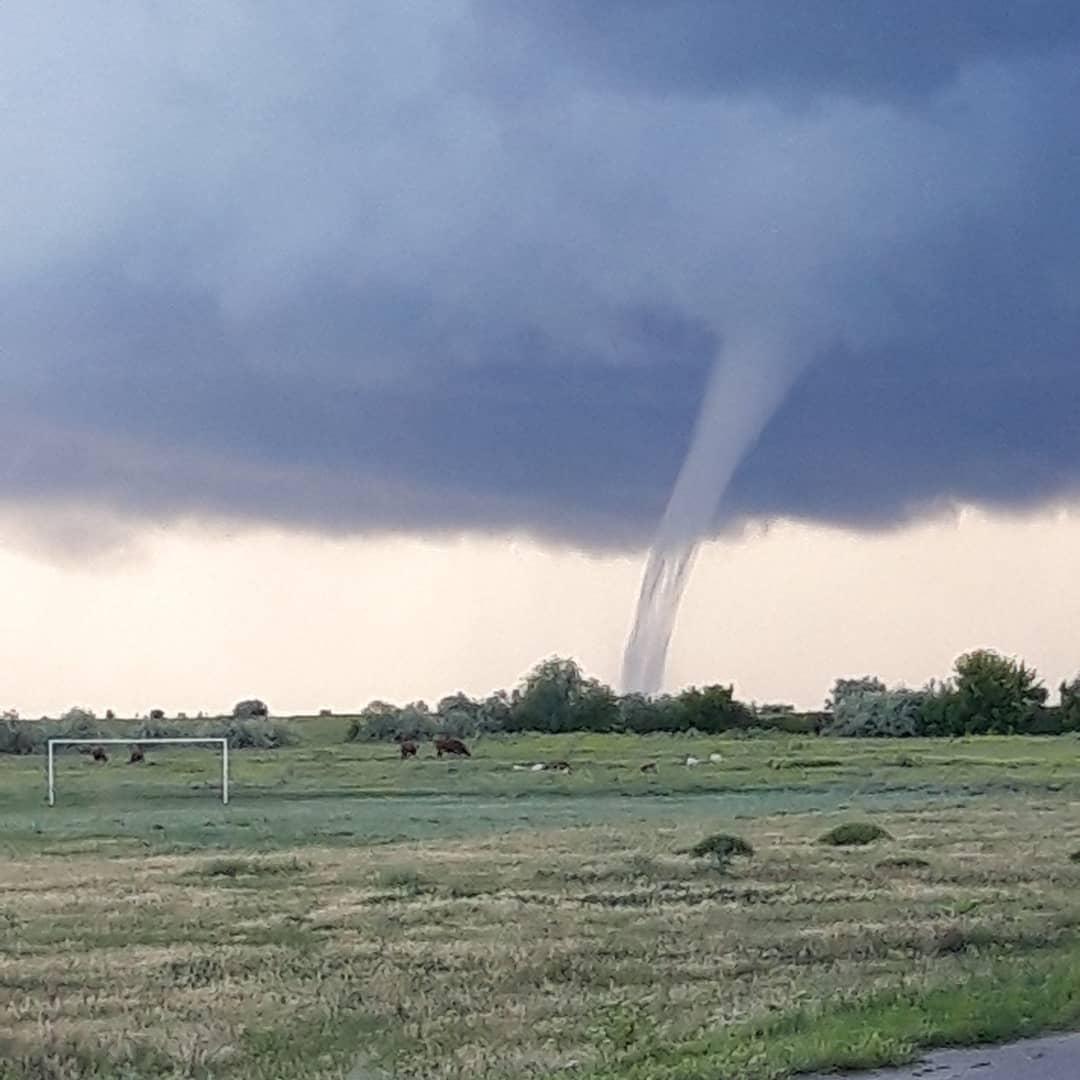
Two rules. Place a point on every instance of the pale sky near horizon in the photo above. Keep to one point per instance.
(194, 618)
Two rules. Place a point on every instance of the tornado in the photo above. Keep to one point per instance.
(750, 380)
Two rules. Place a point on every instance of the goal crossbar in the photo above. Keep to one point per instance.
(215, 740)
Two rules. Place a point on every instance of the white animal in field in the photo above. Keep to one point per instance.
(691, 760)
(716, 759)
(520, 768)
(538, 767)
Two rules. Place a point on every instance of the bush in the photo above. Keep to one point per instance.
(721, 848)
(242, 734)
(257, 734)
(878, 714)
(380, 722)
(78, 723)
(845, 688)
(18, 736)
(252, 709)
(30, 736)
(854, 834)
(155, 729)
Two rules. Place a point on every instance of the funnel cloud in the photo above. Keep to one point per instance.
(745, 390)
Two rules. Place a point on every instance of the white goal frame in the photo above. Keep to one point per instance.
(216, 740)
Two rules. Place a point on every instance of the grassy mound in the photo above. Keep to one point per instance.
(854, 834)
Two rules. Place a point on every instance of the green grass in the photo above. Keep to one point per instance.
(453, 919)
(996, 1002)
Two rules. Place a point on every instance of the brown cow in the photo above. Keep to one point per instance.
(408, 749)
(98, 754)
(137, 755)
(649, 766)
(444, 744)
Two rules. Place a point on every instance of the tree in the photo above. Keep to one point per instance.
(555, 696)
(251, 709)
(494, 712)
(640, 714)
(995, 694)
(1070, 705)
(713, 709)
(865, 684)
(458, 714)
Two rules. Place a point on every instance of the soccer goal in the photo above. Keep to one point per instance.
(217, 741)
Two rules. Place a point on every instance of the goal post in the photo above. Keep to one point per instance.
(214, 740)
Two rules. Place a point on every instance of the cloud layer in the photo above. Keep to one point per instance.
(464, 266)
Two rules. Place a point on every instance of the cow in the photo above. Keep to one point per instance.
(137, 755)
(444, 744)
(558, 766)
(99, 755)
(408, 749)
(649, 766)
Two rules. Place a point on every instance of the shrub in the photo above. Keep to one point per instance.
(157, 714)
(258, 734)
(854, 834)
(251, 709)
(878, 713)
(380, 721)
(19, 737)
(721, 848)
(242, 734)
(74, 724)
(845, 688)
(155, 729)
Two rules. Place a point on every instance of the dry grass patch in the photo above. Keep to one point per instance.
(516, 957)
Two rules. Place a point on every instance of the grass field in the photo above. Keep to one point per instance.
(352, 915)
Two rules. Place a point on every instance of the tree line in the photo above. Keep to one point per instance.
(987, 693)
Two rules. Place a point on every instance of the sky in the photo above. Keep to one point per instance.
(411, 304)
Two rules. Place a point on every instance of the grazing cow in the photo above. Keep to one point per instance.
(444, 744)
(408, 749)
(691, 760)
(558, 766)
(649, 766)
(98, 754)
(716, 759)
(137, 755)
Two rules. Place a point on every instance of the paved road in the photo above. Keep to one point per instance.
(1054, 1058)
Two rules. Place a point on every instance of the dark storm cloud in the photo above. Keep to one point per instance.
(441, 266)
(868, 48)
